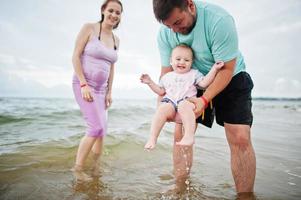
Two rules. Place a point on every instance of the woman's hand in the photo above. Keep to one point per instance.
(108, 100)
(86, 93)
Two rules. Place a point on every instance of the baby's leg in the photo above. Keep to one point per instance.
(185, 109)
(164, 111)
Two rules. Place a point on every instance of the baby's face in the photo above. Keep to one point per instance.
(181, 60)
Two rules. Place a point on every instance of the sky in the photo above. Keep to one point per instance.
(37, 40)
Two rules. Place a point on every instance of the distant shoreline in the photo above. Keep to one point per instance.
(276, 99)
(51, 97)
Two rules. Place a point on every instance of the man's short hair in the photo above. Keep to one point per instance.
(163, 8)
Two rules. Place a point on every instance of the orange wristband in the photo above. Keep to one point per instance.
(205, 101)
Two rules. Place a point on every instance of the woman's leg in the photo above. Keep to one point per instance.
(93, 115)
(96, 154)
(84, 148)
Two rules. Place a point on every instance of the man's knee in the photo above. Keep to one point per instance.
(238, 136)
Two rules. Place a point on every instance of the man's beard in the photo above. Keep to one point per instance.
(189, 29)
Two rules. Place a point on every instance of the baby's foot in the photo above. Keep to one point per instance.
(150, 145)
(186, 141)
(80, 175)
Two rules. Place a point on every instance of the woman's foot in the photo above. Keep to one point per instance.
(80, 175)
(95, 171)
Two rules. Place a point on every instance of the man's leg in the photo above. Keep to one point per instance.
(243, 161)
(164, 112)
(182, 160)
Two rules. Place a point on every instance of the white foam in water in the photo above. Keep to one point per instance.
(296, 175)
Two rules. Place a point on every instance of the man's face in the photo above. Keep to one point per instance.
(181, 21)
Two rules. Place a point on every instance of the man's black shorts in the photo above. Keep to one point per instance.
(233, 105)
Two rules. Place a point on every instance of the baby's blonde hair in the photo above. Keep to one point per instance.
(185, 46)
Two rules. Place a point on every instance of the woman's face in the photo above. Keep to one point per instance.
(112, 13)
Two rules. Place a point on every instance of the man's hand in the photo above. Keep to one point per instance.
(199, 106)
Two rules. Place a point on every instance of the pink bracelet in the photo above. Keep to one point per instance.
(83, 85)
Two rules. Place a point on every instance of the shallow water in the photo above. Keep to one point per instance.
(39, 139)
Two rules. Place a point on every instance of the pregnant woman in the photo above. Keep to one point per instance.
(93, 60)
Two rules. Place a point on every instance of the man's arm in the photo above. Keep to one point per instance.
(165, 70)
(221, 80)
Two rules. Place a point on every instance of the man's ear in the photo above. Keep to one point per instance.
(190, 6)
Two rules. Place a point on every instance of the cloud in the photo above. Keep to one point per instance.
(40, 36)
(286, 28)
(286, 87)
(26, 70)
(7, 59)
(17, 86)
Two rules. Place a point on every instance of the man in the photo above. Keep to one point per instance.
(211, 33)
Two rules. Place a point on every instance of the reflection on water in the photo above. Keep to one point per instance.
(98, 190)
(246, 196)
(92, 190)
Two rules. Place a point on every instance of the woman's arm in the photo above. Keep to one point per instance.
(110, 84)
(80, 44)
(81, 41)
(109, 99)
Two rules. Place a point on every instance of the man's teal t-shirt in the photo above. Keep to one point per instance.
(214, 38)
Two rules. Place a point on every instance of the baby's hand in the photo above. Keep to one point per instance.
(145, 78)
(218, 65)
